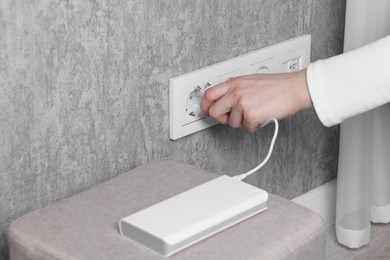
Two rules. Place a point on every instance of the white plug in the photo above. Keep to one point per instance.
(193, 101)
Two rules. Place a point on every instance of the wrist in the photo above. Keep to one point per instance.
(302, 90)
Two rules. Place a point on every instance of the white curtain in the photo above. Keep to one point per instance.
(363, 182)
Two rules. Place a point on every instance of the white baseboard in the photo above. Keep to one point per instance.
(321, 200)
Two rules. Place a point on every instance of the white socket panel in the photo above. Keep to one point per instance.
(287, 56)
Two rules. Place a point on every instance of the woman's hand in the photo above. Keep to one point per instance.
(248, 101)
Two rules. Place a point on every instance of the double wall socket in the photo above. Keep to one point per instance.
(186, 91)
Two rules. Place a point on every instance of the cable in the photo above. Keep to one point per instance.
(271, 148)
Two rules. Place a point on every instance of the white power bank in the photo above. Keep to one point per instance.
(187, 218)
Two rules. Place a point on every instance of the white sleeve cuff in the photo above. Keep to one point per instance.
(351, 83)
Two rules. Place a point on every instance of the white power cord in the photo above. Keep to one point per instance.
(244, 175)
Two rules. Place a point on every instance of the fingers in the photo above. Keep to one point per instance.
(222, 107)
(220, 102)
(229, 103)
(252, 121)
(250, 127)
(235, 118)
(212, 95)
(223, 119)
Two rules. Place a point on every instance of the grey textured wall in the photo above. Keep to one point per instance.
(84, 93)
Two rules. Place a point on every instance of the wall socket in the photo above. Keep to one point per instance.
(186, 91)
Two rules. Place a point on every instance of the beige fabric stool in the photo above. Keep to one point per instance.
(85, 226)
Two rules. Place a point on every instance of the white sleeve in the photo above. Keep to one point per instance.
(350, 83)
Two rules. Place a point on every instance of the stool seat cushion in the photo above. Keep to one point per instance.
(85, 226)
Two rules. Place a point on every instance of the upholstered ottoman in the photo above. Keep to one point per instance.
(85, 226)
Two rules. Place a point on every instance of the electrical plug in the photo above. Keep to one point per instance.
(193, 101)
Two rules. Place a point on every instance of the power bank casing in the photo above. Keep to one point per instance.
(193, 215)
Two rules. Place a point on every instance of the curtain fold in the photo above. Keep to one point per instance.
(363, 182)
